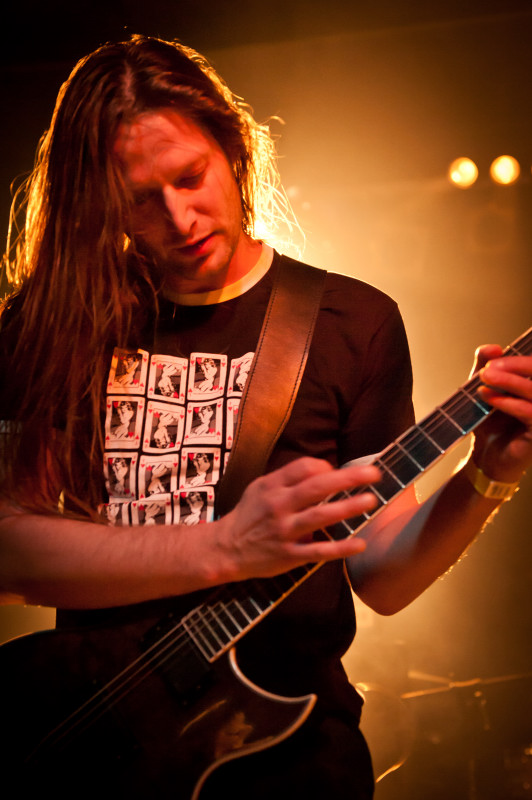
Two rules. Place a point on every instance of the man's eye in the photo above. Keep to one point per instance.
(191, 181)
(143, 198)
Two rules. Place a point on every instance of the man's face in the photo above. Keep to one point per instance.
(186, 209)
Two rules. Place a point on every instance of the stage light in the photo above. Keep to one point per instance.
(463, 172)
(505, 170)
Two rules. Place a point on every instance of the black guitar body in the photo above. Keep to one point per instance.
(94, 713)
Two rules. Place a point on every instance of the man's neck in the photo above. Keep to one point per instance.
(229, 291)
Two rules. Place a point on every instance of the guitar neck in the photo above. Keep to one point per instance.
(231, 611)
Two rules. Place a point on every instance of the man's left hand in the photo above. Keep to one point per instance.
(503, 443)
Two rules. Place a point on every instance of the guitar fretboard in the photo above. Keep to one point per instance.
(231, 611)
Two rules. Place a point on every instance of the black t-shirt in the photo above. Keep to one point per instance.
(172, 406)
(172, 401)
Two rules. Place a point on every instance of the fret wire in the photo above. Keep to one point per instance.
(229, 614)
(456, 403)
(201, 643)
(451, 420)
(395, 456)
(375, 491)
(237, 609)
(437, 421)
(343, 522)
(465, 411)
(462, 398)
(207, 617)
(348, 527)
(404, 447)
(244, 613)
(261, 588)
(434, 442)
(474, 400)
(397, 452)
(470, 397)
(207, 630)
(389, 471)
(218, 616)
(248, 598)
(246, 606)
(436, 424)
(252, 600)
(426, 435)
(411, 458)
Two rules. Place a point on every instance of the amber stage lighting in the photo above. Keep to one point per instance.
(463, 172)
(505, 170)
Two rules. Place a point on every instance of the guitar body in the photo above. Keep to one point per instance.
(85, 714)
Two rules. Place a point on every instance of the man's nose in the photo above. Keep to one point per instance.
(180, 209)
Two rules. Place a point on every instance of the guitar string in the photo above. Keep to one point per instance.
(129, 678)
(126, 680)
(419, 433)
(155, 656)
(106, 697)
(398, 453)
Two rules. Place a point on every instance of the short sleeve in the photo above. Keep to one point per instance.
(383, 408)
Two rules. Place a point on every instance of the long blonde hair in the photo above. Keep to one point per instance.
(78, 282)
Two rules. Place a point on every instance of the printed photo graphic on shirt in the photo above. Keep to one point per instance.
(204, 423)
(199, 467)
(168, 378)
(120, 473)
(233, 405)
(152, 512)
(116, 514)
(164, 427)
(157, 475)
(238, 373)
(123, 421)
(194, 506)
(128, 372)
(207, 375)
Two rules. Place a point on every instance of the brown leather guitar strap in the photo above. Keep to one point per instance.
(281, 354)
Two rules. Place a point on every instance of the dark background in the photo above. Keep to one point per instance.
(377, 99)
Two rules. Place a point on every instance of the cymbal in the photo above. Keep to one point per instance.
(451, 685)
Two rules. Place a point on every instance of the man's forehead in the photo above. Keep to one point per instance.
(157, 134)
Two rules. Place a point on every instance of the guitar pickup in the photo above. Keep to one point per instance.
(176, 659)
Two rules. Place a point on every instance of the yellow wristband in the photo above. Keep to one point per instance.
(494, 490)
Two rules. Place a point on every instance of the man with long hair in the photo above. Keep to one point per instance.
(142, 235)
